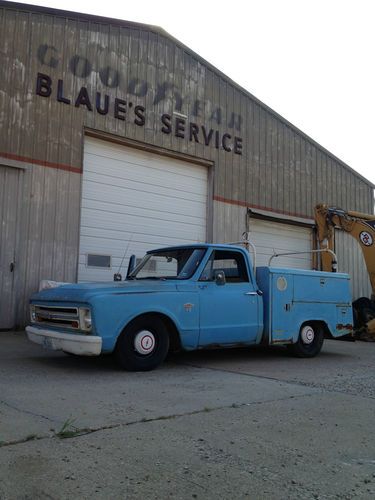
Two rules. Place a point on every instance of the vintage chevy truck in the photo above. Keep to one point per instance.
(193, 297)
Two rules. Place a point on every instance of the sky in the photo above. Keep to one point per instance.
(312, 61)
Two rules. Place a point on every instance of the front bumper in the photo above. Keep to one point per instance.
(83, 345)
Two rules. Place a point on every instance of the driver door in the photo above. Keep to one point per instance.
(229, 312)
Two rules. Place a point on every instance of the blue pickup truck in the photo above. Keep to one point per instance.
(193, 297)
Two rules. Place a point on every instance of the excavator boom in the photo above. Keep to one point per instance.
(362, 228)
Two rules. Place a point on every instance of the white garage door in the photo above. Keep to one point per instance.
(133, 201)
(275, 237)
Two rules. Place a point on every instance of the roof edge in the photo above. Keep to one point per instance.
(79, 15)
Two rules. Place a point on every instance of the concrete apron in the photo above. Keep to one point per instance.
(235, 424)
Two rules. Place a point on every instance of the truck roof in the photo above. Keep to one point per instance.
(224, 246)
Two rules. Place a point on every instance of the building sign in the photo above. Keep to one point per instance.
(177, 124)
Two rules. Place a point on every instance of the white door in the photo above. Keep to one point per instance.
(133, 201)
(275, 237)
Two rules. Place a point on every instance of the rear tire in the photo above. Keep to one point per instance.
(143, 345)
(310, 341)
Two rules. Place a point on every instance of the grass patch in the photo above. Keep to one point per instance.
(68, 430)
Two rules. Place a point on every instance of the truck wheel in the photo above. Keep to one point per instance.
(310, 341)
(143, 345)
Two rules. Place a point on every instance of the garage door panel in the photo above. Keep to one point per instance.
(271, 229)
(131, 195)
(154, 207)
(119, 211)
(143, 175)
(113, 158)
(143, 193)
(116, 248)
(153, 168)
(280, 246)
(152, 204)
(162, 229)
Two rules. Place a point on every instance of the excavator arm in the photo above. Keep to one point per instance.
(362, 227)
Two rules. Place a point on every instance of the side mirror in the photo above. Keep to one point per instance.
(131, 265)
(220, 277)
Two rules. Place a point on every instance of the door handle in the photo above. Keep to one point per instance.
(11, 267)
(251, 293)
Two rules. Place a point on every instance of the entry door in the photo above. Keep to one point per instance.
(10, 191)
(228, 312)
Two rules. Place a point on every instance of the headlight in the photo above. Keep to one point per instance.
(85, 319)
(32, 314)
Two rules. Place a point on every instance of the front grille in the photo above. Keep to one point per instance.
(66, 317)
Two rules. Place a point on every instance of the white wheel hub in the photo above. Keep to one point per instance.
(307, 334)
(144, 342)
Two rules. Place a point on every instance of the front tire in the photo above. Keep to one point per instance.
(143, 345)
(310, 341)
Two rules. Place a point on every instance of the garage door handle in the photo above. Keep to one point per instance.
(11, 267)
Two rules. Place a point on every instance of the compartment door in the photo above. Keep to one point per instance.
(281, 305)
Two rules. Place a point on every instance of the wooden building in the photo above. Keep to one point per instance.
(116, 138)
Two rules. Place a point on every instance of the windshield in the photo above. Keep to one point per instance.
(180, 263)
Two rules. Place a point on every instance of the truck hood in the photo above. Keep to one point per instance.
(83, 292)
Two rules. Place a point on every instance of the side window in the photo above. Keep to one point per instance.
(232, 263)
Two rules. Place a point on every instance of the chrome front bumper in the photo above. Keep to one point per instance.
(83, 345)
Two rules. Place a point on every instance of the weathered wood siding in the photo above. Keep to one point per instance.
(280, 169)
(40, 234)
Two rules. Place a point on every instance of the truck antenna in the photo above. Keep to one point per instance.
(117, 276)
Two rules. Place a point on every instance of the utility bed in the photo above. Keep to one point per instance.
(292, 297)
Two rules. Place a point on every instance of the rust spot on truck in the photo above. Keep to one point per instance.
(340, 326)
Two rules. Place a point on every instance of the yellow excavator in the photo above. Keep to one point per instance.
(362, 227)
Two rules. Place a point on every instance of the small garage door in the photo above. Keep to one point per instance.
(133, 201)
(275, 237)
